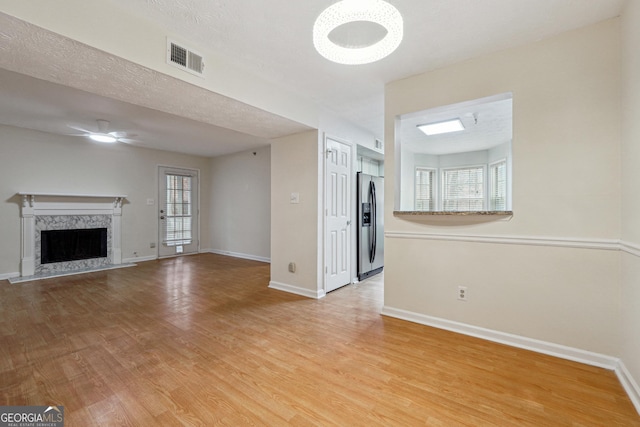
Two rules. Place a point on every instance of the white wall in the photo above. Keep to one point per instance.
(294, 227)
(566, 193)
(630, 292)
(41, 162)
(240, 204)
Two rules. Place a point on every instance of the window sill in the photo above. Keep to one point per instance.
(452, 213)
(454, 218)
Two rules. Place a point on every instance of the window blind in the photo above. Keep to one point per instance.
(424, 200)
(498, 183)
(463, 189)
(179, 215)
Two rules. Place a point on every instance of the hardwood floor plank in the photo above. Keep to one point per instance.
(202, 340)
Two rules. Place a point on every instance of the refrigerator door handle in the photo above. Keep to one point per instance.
(374, 214)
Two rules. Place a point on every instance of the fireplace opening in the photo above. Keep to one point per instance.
(73, 245)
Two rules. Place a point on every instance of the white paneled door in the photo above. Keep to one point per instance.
(177, 211)
(338, 215)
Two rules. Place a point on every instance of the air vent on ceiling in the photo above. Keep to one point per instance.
(184, 58)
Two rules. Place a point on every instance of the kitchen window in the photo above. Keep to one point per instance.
(463, 189)
(425, 189)
(498, 186)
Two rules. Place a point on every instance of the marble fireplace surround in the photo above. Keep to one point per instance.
(42, 211)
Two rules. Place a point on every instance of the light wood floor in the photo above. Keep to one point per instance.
(201, 340)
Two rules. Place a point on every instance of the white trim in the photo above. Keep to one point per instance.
(83, 195)
(629, 384)
(297, 290)
(237, 255)
(567, 242)
(544, 347)
(8, 276)
(140, 259)
(630, 248)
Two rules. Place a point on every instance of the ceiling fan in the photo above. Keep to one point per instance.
(103, 134)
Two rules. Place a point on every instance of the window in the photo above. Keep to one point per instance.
(498, 186)
(463, 189)
(425, 197)
(472, 167)
(178, 210)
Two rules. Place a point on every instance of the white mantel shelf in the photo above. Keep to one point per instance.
(86, 196)
(101, 196)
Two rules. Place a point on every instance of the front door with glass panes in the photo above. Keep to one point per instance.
(178, 211)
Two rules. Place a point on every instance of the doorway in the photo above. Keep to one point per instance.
(178, 211)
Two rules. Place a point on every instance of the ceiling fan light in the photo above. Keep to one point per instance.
(348, 11)
(438, 128)
(103, 137)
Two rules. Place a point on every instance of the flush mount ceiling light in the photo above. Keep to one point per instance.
(356, 32)
(447, 126)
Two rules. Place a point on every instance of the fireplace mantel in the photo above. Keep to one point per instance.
(44, 203)
(29, 198)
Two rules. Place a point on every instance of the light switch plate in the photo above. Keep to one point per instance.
(295, 198)
(150, 202)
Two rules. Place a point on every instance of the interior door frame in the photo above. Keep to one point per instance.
(157, 208)
(325, 203)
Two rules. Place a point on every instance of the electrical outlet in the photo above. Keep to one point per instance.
(463, 293)
(292, 267)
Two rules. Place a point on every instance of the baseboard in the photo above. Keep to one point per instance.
(8, 276)
(140, 259)
(629, 384)
(551, 349)
(239, 255)
(296, 290)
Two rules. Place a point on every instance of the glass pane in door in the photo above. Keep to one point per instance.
(178, 210)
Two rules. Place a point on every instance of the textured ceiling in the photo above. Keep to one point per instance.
(273, 40)
(488, 123)
(48, 56)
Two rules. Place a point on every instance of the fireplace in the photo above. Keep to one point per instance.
(72, 245)
(66, 233)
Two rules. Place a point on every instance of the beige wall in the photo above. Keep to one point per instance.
(36, 161)
(630, 292)
(294, 227)
(566, 188)
(240, 204)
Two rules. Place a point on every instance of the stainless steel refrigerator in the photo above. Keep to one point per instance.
(370, 225)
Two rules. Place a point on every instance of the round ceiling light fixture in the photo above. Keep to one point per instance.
(356, 32)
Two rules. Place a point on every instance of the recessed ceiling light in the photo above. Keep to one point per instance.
(103, 137)
(354, 13)
(447, 126)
